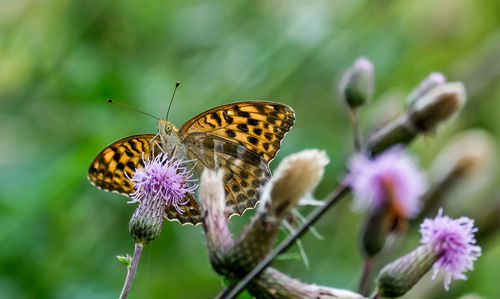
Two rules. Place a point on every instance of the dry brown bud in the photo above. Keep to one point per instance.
(437, 105)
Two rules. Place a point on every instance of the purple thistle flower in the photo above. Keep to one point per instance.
(392, 175)
(454, 239)
(165, 178)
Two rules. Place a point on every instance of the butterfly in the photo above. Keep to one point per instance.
(241, 138)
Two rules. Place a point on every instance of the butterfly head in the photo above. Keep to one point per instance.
(166, 127)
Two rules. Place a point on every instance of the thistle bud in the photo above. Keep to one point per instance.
(431, 81)
(147, 220)
(437, 105)
(398, 277)
(357, 84)
(294, 177)
(375, 232)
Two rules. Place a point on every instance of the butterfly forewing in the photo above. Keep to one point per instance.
(259, 126)
(108, 169)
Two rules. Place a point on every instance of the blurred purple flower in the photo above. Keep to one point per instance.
(391, 176)
(165, 178)
(454, 239)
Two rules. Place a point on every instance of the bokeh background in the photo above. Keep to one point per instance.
(60, 60)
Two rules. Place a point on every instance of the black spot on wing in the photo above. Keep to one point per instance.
(227, 118)
(253, 140)
(252, 122)
(131, 165)
(133, 145)
(243, 113)
(255, 184)
(208, 123)
(217, 118)
(230, 133)
(257, 131)
(242, 127)
(271, 120)
(241, 197)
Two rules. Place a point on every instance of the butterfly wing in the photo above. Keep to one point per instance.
(242, 138)
(108, 169)
(191, 211)
(258, 126)
(244, 170)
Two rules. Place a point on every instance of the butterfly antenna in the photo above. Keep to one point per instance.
(172, 99)
(131, 108)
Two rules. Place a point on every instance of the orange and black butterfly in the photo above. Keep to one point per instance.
(242, 138)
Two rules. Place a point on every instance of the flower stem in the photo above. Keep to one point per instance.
(131, 271)
(367, 270)
(353, 113)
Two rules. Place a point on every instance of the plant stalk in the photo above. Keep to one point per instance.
(131, 271)
(367, 270)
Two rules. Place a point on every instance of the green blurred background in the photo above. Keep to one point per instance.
(60, 60)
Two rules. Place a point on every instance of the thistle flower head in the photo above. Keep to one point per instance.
(391, 176)
(164, 178)
(454, 239)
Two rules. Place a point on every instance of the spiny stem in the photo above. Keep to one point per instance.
(367, 269)
(131, 271)
(340, 191)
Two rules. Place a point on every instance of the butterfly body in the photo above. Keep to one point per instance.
(241, 138)
(170, 141)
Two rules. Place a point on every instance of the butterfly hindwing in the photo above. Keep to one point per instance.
(258, 126)
(108, 169)
(244, 170)
(191, 211)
